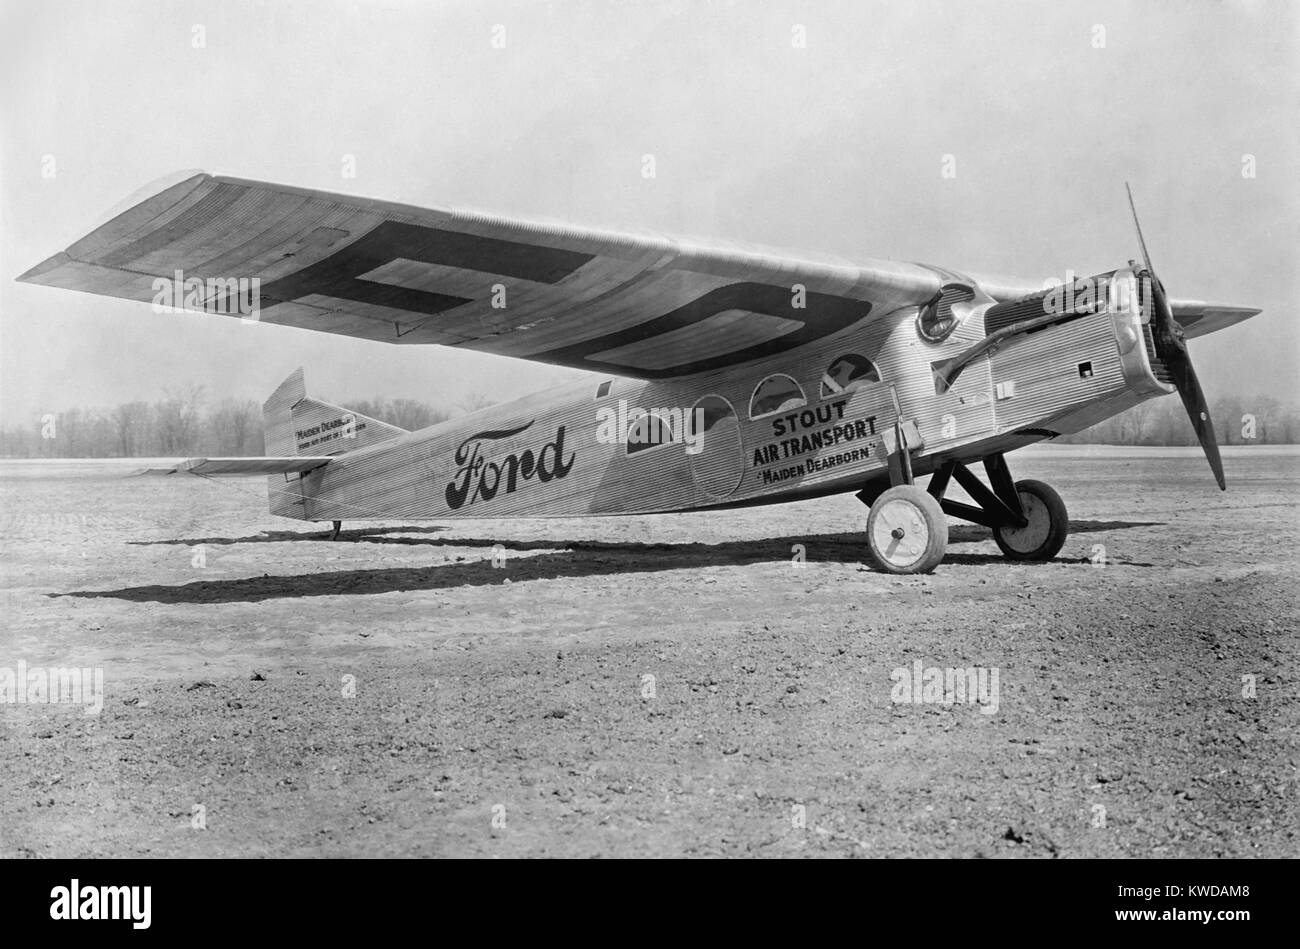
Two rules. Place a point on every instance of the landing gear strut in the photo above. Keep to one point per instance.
(334, 534)
(906, 531)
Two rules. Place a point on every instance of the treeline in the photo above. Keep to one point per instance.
(1163, 421)
(182, 424)
(178, 424)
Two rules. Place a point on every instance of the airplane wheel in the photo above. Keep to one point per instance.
(1044, 536)
(906, 530)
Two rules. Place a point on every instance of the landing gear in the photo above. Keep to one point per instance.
(1046, 524)
(334, 534)
(1028, 518)
(906, 530)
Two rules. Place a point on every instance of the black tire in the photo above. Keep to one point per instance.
(907, 531)
(1049, 524)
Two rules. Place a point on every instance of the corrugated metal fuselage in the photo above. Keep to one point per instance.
(565, 452)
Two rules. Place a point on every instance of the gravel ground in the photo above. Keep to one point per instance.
(657, 686)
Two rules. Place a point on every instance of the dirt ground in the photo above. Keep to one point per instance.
(658, 686)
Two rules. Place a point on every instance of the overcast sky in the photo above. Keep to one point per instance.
(1046, 108)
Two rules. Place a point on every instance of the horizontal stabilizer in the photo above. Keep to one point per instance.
(216, 467)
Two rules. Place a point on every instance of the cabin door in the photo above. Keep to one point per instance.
(717, 456)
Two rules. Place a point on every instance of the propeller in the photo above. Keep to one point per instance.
(1172, 348)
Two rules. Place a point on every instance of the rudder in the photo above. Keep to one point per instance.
(295, 424)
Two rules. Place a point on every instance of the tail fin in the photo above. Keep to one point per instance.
(296, 425)
(299, 425)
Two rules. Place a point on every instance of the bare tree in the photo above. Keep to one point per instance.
(231, 427)
(177, 418)
(474, 401)
(130, 419)
(70, 433)
(412, 415)
(372, 408)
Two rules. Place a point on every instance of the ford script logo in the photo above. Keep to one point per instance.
(479, 478)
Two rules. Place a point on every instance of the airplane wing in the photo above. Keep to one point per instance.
(634, 305)
(1198, 318)
(240, 467)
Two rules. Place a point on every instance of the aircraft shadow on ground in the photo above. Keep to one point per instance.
(567, 559)
(379, 535)
(374, 534)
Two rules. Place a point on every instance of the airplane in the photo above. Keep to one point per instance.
(725, 376)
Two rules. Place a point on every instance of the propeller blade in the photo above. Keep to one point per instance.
(1146, 258)
(1172, 349)
(1179, 364)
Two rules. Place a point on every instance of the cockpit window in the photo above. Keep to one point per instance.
(847, 374)
(936, 319)
(778, 393)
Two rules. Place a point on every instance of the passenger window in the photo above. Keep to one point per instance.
(710, 412)
(778, 393)
(649, 431)
(848, 373)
